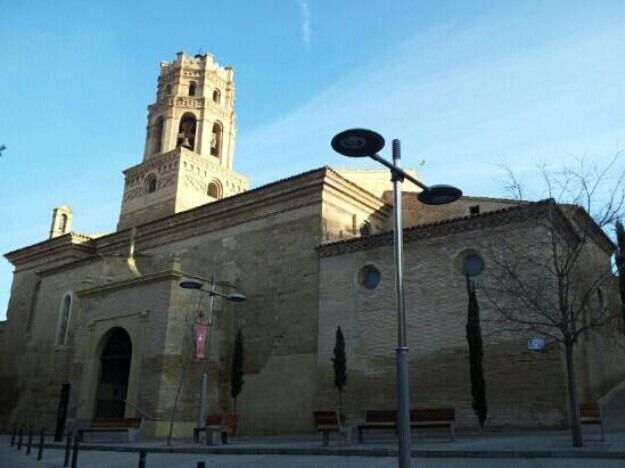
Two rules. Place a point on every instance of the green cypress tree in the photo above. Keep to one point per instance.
(474, 339)
(236, 376)
(339, 362)
(619, 258)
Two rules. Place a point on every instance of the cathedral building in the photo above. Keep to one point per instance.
(102, 323)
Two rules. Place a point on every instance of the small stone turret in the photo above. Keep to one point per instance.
(61, 221)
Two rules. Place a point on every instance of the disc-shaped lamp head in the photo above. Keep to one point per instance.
(439, 195)
(190, 284)
(357, 142)
(473, 265)
(236, 297)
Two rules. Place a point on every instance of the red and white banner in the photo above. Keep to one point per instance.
(201, 333)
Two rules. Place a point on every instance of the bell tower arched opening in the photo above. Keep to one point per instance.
(157, 136)
(216, 139)
(190, 140)
(112, 387)
(186, 131)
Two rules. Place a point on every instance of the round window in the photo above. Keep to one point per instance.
(369, 277)
(472, 265)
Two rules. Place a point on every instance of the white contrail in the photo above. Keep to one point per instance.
(305, 12)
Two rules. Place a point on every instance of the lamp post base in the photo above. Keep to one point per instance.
(403, 407)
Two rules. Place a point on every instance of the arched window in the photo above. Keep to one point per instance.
(63, 223)
(186, 131)
(216, 139)
(62, 326)
(214, 190)
(149, 185)
(217, 96)
(168, 90)
(157, 135)
(192, 88)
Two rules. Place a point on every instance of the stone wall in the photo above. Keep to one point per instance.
(346, 207)
(265, 243)
(261, 243)
(14, 336)
(377, 181)
(523, 388)
(277, 320)
(601, 352)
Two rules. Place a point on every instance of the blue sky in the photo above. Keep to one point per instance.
(464, 85)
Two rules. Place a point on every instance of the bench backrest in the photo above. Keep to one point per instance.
(214, 419)
(326, 418)
(589, 410)
(231, 420)
(228, 420)
(116, 422)
(381, 416)
(432, 414)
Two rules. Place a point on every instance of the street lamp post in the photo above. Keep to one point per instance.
(366, 143)
(212, 292)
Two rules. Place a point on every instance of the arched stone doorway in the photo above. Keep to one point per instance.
(112, 386)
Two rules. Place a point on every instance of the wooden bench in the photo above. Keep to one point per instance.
(223, 424)
(329, 421)
(419, 417)
(590, 413)
(128, 425)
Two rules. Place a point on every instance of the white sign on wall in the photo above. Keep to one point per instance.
(536, 344)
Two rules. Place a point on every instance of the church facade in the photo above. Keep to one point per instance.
(103, 322)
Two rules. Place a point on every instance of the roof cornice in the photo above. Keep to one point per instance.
(81, 246)
(521, 212)
(245, 202)
(593, 229)
(167, 275)
(70, 244)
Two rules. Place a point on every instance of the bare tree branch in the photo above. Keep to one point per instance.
(551, 283)
(514, 185)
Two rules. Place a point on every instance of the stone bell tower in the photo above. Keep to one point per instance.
(189, 143)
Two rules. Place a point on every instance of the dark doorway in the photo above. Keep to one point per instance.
(61, 413)
(114, 372)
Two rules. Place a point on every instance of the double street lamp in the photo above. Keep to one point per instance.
(192, 284)
(212, 292)
(358, 143)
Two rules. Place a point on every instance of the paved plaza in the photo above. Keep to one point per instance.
(544, 449)
(9, 458)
